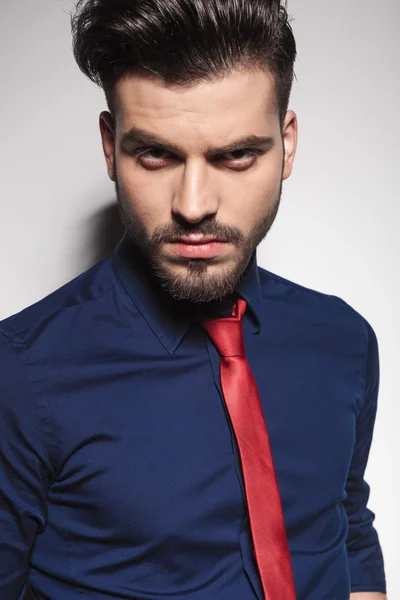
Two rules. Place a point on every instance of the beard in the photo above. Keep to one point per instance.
(196, 285)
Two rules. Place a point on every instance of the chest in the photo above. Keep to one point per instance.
(148, 450)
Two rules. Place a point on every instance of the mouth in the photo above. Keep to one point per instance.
(198, 246)
(195, 239)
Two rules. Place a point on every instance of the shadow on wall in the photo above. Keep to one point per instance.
(106, 230)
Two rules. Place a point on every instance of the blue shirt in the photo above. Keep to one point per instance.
(119, 471)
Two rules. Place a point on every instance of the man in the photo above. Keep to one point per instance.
(178, 422)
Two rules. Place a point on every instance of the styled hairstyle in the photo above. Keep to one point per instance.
(183, 41)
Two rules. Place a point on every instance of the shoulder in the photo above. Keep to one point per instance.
(314, 307)
(84, 290)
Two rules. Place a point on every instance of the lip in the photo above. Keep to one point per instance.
(203, 248)
(193, 241)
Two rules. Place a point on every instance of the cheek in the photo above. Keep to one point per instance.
(143, 195)
(266, 186)
(249, 198)
(134, 181)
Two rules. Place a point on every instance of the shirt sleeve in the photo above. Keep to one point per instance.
(25, 472)
(365, 558)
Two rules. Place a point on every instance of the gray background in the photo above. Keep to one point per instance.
(337, 227)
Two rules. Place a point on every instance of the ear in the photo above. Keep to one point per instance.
(290, 136)
(107, 130)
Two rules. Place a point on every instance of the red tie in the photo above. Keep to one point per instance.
(264, 504)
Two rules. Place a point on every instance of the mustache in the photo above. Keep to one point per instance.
(174, 231)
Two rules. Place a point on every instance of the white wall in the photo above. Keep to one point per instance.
(337, 229)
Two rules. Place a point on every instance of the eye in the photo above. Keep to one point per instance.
(153, 158)
(239, 160)
(157, 158)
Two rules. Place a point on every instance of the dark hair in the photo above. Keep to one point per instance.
(183, 41)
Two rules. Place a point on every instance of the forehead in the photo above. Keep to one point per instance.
(209, 112)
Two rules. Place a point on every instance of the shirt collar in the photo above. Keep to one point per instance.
(170, 319)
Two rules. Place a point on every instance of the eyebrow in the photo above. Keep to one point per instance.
(136, 136)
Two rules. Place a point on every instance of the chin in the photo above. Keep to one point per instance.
(200, 282)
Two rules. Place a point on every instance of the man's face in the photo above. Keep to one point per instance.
(198, 172)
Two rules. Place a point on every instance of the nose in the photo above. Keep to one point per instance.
(194, 198)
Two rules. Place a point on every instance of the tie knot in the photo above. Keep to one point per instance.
(227, 333)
